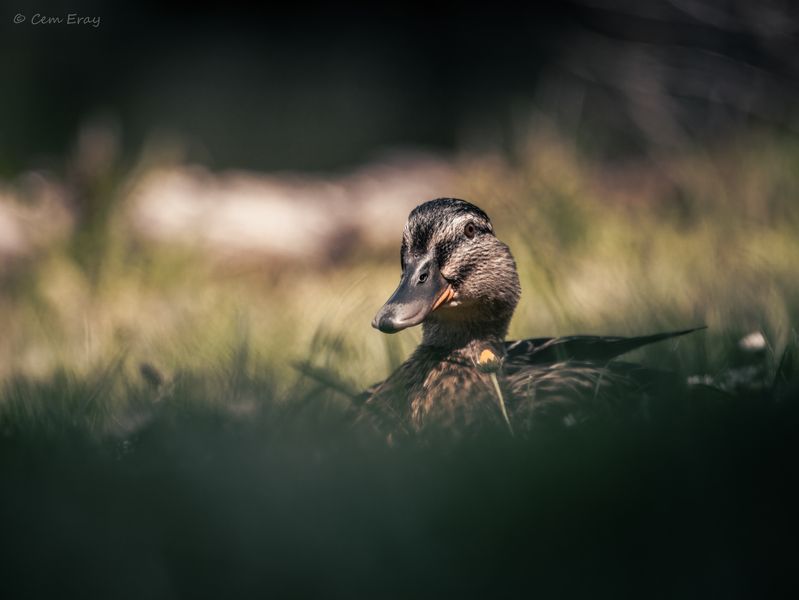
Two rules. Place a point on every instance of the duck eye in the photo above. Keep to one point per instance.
(470, 230)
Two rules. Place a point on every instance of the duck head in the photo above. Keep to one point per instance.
(458, 280)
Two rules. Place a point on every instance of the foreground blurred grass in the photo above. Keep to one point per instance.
(218, 488)
(220, 470)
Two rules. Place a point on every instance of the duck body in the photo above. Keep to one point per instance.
(460, 283)
(435, 388)
(544, 380)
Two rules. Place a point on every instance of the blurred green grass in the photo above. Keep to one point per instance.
(221, 488)
(708, 237)
(157, 440)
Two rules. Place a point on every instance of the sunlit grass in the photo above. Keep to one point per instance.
(666, 243)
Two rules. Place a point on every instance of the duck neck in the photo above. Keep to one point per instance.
(463, 335)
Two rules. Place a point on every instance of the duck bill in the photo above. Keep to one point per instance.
(413, 300)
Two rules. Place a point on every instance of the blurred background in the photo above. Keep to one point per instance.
(200, 212)
(175, 175)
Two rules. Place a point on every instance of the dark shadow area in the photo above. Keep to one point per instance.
(266, 88)
(699, 502)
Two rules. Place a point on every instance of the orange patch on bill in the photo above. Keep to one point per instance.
(445, 296)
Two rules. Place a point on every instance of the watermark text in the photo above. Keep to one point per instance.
(67, 19)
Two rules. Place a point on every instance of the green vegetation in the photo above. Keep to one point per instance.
(704, 238)
(157, 439)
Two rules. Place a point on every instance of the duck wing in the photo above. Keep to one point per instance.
(584, 348)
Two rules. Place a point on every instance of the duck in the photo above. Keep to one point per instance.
(460, 283)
